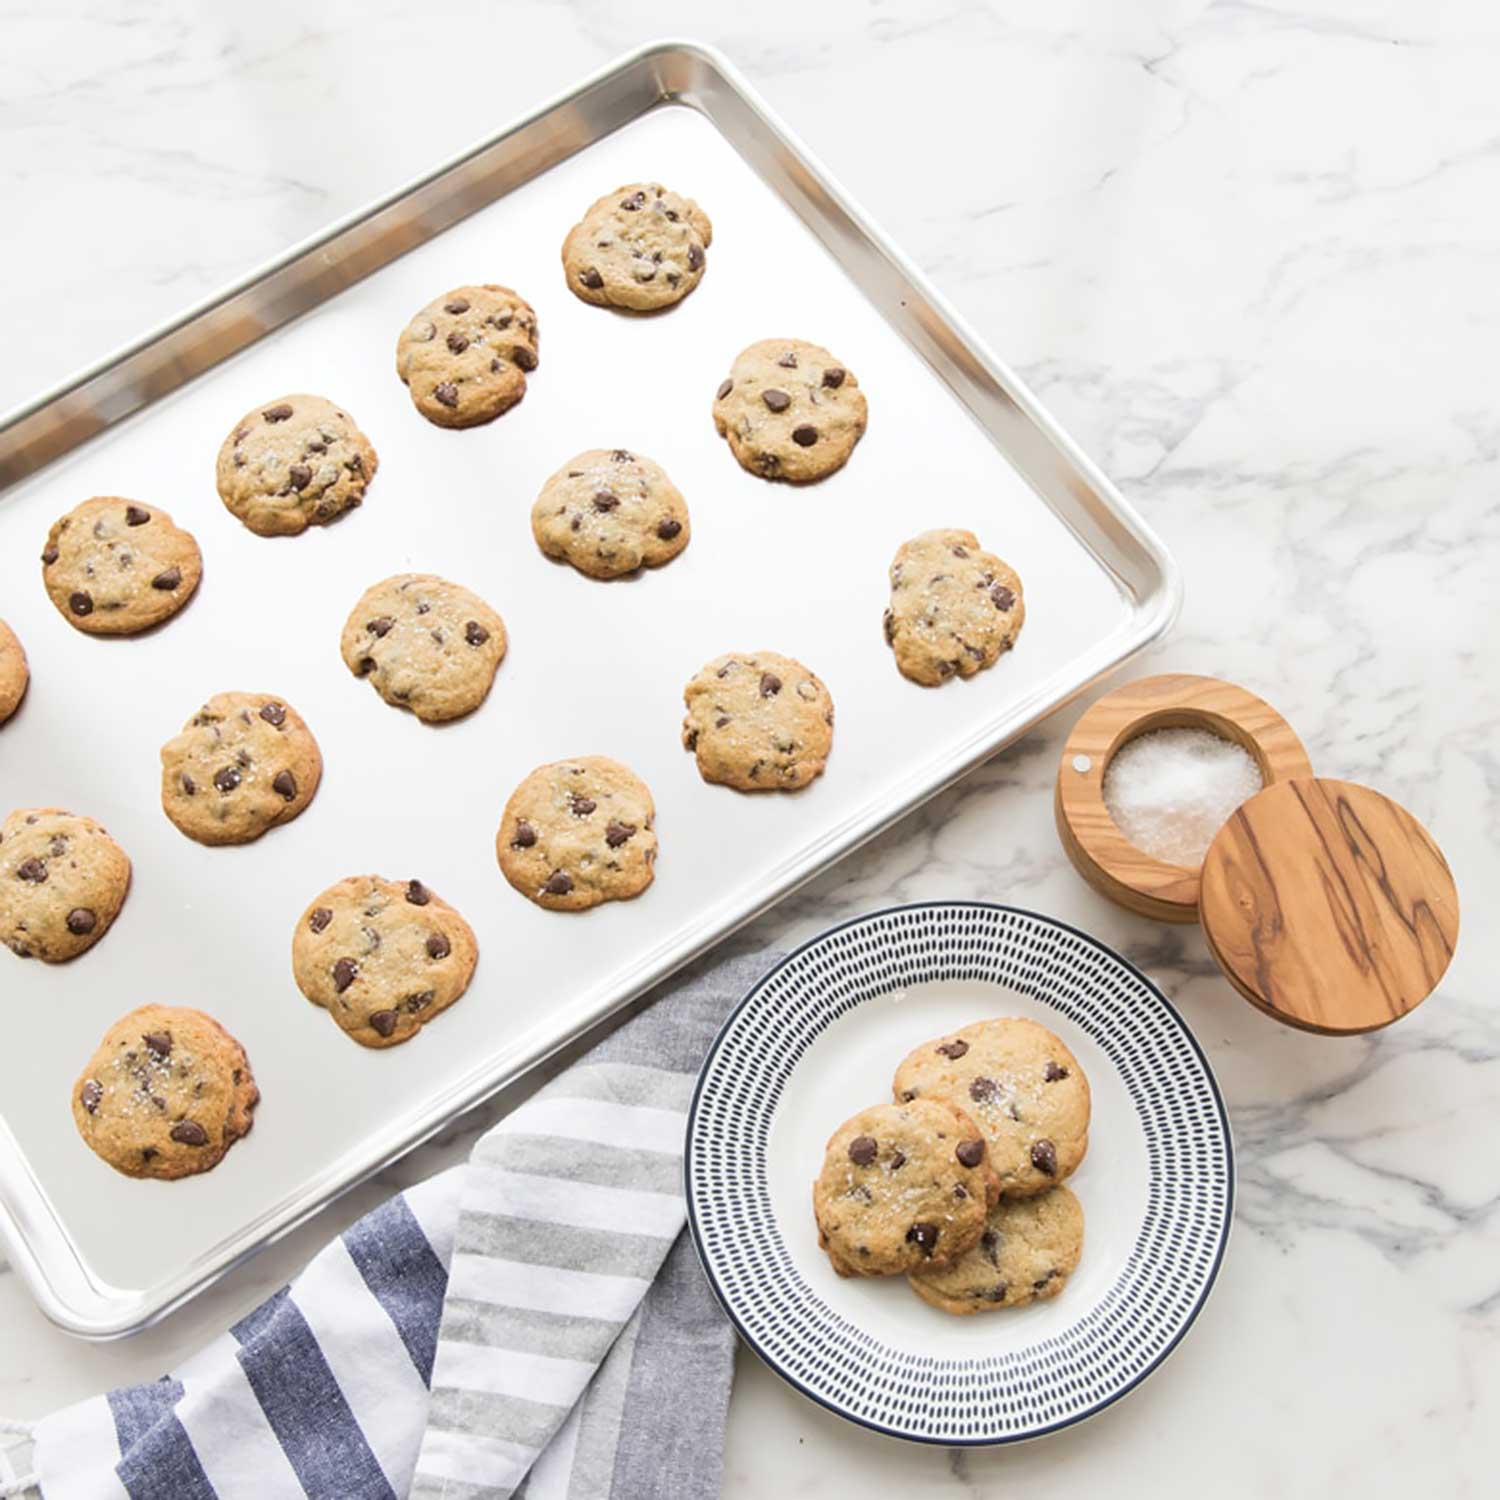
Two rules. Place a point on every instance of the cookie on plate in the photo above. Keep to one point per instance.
(63, 881)
(382, 957)
(1029, 1248)
(166, 1094)
(758, 722)
(577, 833)
(1024, 1090)
(14, 673)
(902, 1185)
(424, 644)
(639, 247)
(954, 607)
(465, 357)
(608, 512)
(790, 411)
(114, 566)
(242, 764)
(292, 463)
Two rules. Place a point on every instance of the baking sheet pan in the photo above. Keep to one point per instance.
(593, 668)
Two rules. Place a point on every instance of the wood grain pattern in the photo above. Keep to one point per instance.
(1099, 851)
(1329, 906)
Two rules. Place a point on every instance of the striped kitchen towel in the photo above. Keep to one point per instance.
(533, 1323)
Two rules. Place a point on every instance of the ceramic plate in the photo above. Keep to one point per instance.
(819, 1038)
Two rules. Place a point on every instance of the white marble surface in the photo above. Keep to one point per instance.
(1250, 254)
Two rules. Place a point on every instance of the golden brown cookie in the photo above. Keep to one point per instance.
(577, 833)
(63, 880)
(115, 567)
(166, 1094)
(639, 247)
(243, 763)
(1022, 1087)
(382, 957)
(295, 462)
(465, 357)
(902, 1185)
(15, 674)
(425, 644)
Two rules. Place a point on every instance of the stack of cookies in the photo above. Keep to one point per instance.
(957, 1185)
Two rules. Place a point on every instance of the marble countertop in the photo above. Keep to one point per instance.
(1248, 254)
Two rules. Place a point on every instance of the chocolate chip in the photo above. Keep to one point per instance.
(583, 806)
(776, 400)
(438, 946)
(160, 1043)
(804, 436)
(446, 393)
(954, 1049)
(456, 305)
(501, 320)
(669, 529)
(833, 378)
(604, 501)
(49, 556)
(788, 361)
(618, 833)
(457, 343)
(724, 390)
(59, 845)
(969, 1153)
(82, 920)
(148, 1152)
(770, 684)
(695, 258)
(622, 456)
(982, 1090)
(1044, 1158)
(523, 357)
(320, 918)
(989, 1242)
(343, 974)
(189, 1133)
(90, 1095)
(898, 1160)
(227, 779)
(559, 883)
(863, 1150)
(633, 202)
(417, 893)
(33, 870)
(1002, 596)
(278, 413)
(189, 785)
(285, 785)
(384, 1021)
(592, 279)
(135, 516)
(420, 1001)
(475, 633)
(381, 627)
(959, 1190)
(274, 714)
(1052, 1072)
(168, 579)
(524, 836)
(924, 1236)
(81, 603)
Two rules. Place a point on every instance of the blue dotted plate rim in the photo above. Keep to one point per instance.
(725, 1300)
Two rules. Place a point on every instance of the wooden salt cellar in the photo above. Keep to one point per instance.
(1175, 700)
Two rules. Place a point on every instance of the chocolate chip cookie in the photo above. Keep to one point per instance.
(639, 247)
(758, 722)
(466, 356)
(902, 1185)
(790, 411)
(166, 1094)
(114, 567)
(578, 832)
(1027, 1251)
(609, 512)
(954, 607)
(63, 881)
(295, 462)
(242, 764)
(1024, 1090)
(382, 957)
(14, 673)
(425, 644)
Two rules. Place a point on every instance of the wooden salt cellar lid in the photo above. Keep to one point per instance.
(1328, 906)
